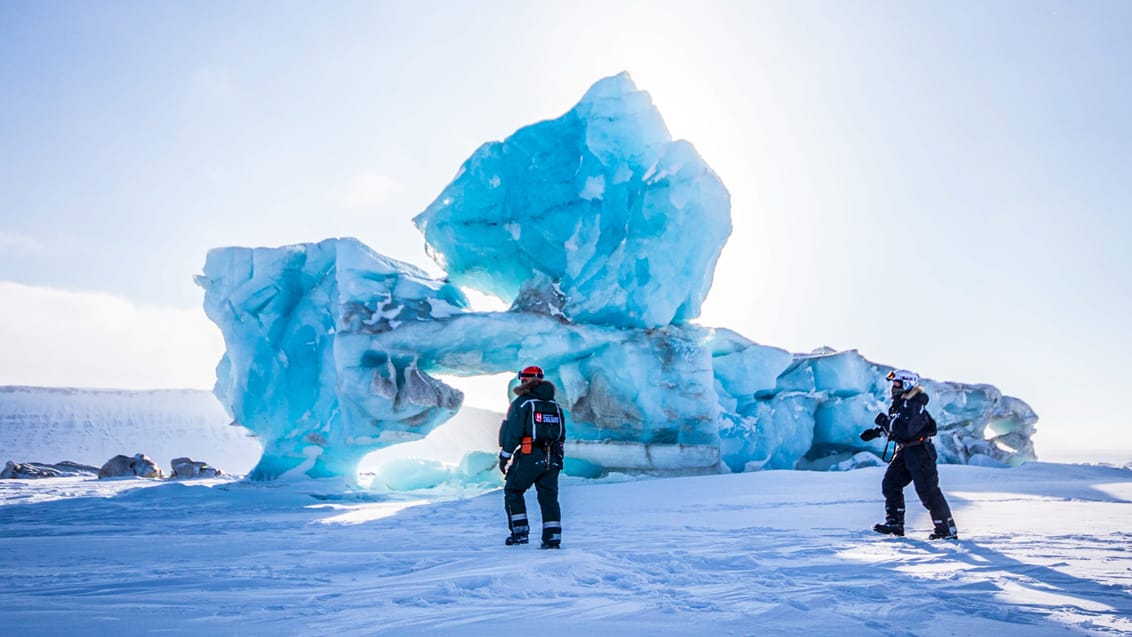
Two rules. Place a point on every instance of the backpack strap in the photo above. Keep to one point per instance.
(534, 429)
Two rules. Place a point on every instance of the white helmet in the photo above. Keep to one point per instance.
(907, 379)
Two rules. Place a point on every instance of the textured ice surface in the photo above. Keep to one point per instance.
(597, 215)
(280, 310)
(603, 233)
(637, 399)
(811, 414)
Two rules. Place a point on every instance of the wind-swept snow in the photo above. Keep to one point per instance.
(1045, 551)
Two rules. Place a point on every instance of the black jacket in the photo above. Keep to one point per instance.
(518, 421)
(908, 418)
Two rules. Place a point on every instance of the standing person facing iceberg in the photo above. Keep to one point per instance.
(911, 427)
(531, 437)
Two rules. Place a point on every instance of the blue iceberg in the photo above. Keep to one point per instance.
(810, 416)
(281, 311)
(603, 234)
(597, 215)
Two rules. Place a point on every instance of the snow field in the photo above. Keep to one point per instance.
(1045, 551)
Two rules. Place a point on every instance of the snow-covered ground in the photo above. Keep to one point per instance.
(1046, 549)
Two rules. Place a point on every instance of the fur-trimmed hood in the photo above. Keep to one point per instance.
(540, 388)
(915, 391)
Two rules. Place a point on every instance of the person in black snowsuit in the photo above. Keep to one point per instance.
(911, 427)
(531, 439)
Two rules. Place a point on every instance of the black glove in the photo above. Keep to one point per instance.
(869, 434)
(503, 463)
(881, 420)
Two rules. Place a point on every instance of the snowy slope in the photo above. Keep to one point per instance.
(90, 426)
(1045, 551)
(46, 424)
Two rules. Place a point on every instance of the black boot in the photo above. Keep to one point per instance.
(552, 544)
(518, 538)
(944, 530)
(891, 526)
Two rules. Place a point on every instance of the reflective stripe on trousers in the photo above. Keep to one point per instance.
(519, 523)
(552, 531)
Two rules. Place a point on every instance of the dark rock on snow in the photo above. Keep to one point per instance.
(34, 470)
(189, 468)
(124, 466)
(119, 466)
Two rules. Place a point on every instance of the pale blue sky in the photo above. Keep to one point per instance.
(943, 186)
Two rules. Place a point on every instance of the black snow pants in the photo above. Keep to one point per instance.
(915, 464)
(526, 470)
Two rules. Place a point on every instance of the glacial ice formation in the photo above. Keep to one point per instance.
(281, 311)
(603, 233)
(818, 403)
(598, 215)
